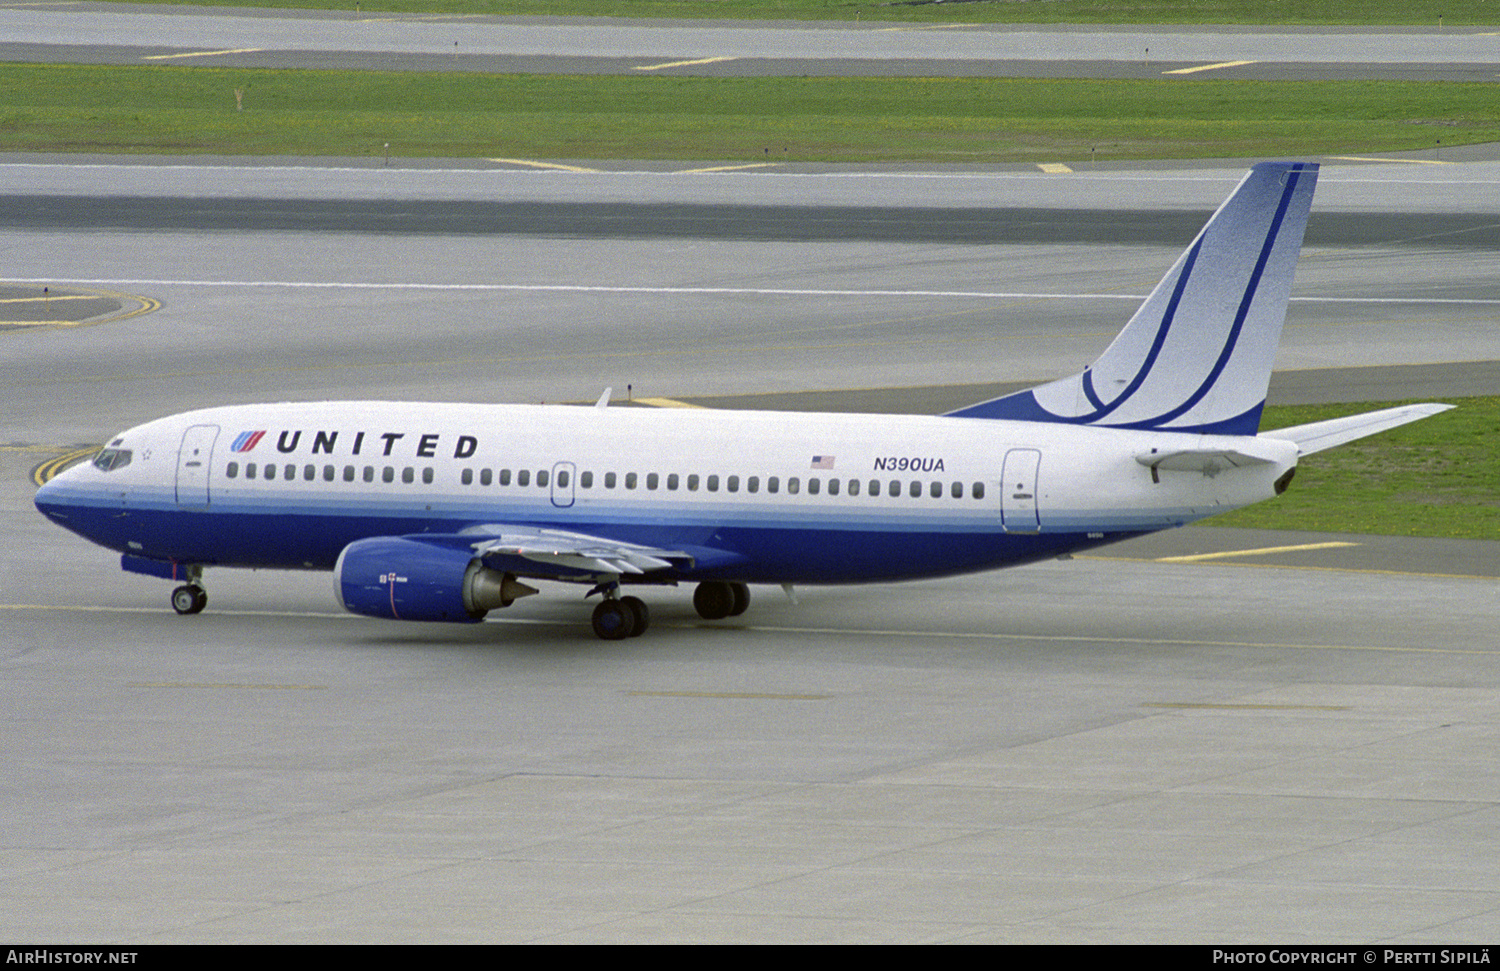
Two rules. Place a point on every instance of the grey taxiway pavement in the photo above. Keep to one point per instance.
(160, 34)
(1207, 736)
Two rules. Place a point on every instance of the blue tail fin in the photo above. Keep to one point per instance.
(1197, 355)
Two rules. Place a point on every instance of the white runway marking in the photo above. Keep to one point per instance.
(732, 291)
(914, 633)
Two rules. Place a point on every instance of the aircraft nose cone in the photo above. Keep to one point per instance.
(46, 500)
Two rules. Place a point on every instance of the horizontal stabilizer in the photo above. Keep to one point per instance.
(1318, 435)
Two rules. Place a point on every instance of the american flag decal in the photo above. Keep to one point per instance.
(822, 461)
(246, 441)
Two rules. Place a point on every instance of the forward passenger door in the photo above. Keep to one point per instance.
(193, 462)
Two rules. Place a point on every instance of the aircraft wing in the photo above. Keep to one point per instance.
(1319, 435)
(561, 555)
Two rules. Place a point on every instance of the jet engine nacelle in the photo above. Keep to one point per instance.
(405, 579)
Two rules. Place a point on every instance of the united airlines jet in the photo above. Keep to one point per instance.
(443, 512)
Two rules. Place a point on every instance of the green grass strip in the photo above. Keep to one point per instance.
(1434, 477)
(1362, 13)
(88, 108)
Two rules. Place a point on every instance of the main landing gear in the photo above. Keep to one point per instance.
(717, 599)
(617, 618)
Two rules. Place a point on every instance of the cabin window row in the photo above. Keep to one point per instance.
(329, 473)
(693, 482)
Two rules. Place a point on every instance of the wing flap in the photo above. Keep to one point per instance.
(561, 554)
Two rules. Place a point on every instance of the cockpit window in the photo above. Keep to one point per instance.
(110, 459)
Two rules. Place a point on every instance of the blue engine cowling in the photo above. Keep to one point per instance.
(406, 579)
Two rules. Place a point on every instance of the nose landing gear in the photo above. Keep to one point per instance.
(189, 599)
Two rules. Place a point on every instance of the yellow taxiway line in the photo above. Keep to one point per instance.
(236, 50)
(1209, 67)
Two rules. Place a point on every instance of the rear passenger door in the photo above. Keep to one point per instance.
(1018, 504)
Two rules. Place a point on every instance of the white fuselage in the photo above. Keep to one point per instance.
(757, 496)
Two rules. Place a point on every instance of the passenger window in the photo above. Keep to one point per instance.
(328, 473)
(270, 471)
(232, 470)
(773, 484)
(693, 482)
(734, 483)
(813, 485)
(369, 475)
(542, 478)
(290, 472)
(249, 470)
(586, 480)
(348, 473)
(309, 473)
(979, 490)
(713, 483)
(652, 480)
(562, 479)
(485, 477)
(833, 487)
(609, 480)
(753, 484)
(672, 481)
(958, 490)
(505, 477)
(792, 485)
(388, 475)
(427, 475)
(853, 487)
(408, 475)
(630, 480)
(466, 477)
(935, 490)
(915, 490)
(523, 477)
(894, 489)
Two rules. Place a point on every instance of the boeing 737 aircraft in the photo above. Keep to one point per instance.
(442, 512)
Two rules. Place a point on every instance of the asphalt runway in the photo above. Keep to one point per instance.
(1206, 736)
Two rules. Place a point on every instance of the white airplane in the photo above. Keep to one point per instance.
(439, 512)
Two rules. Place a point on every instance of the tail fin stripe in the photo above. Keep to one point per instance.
(1160, 341)
(1246, 300)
